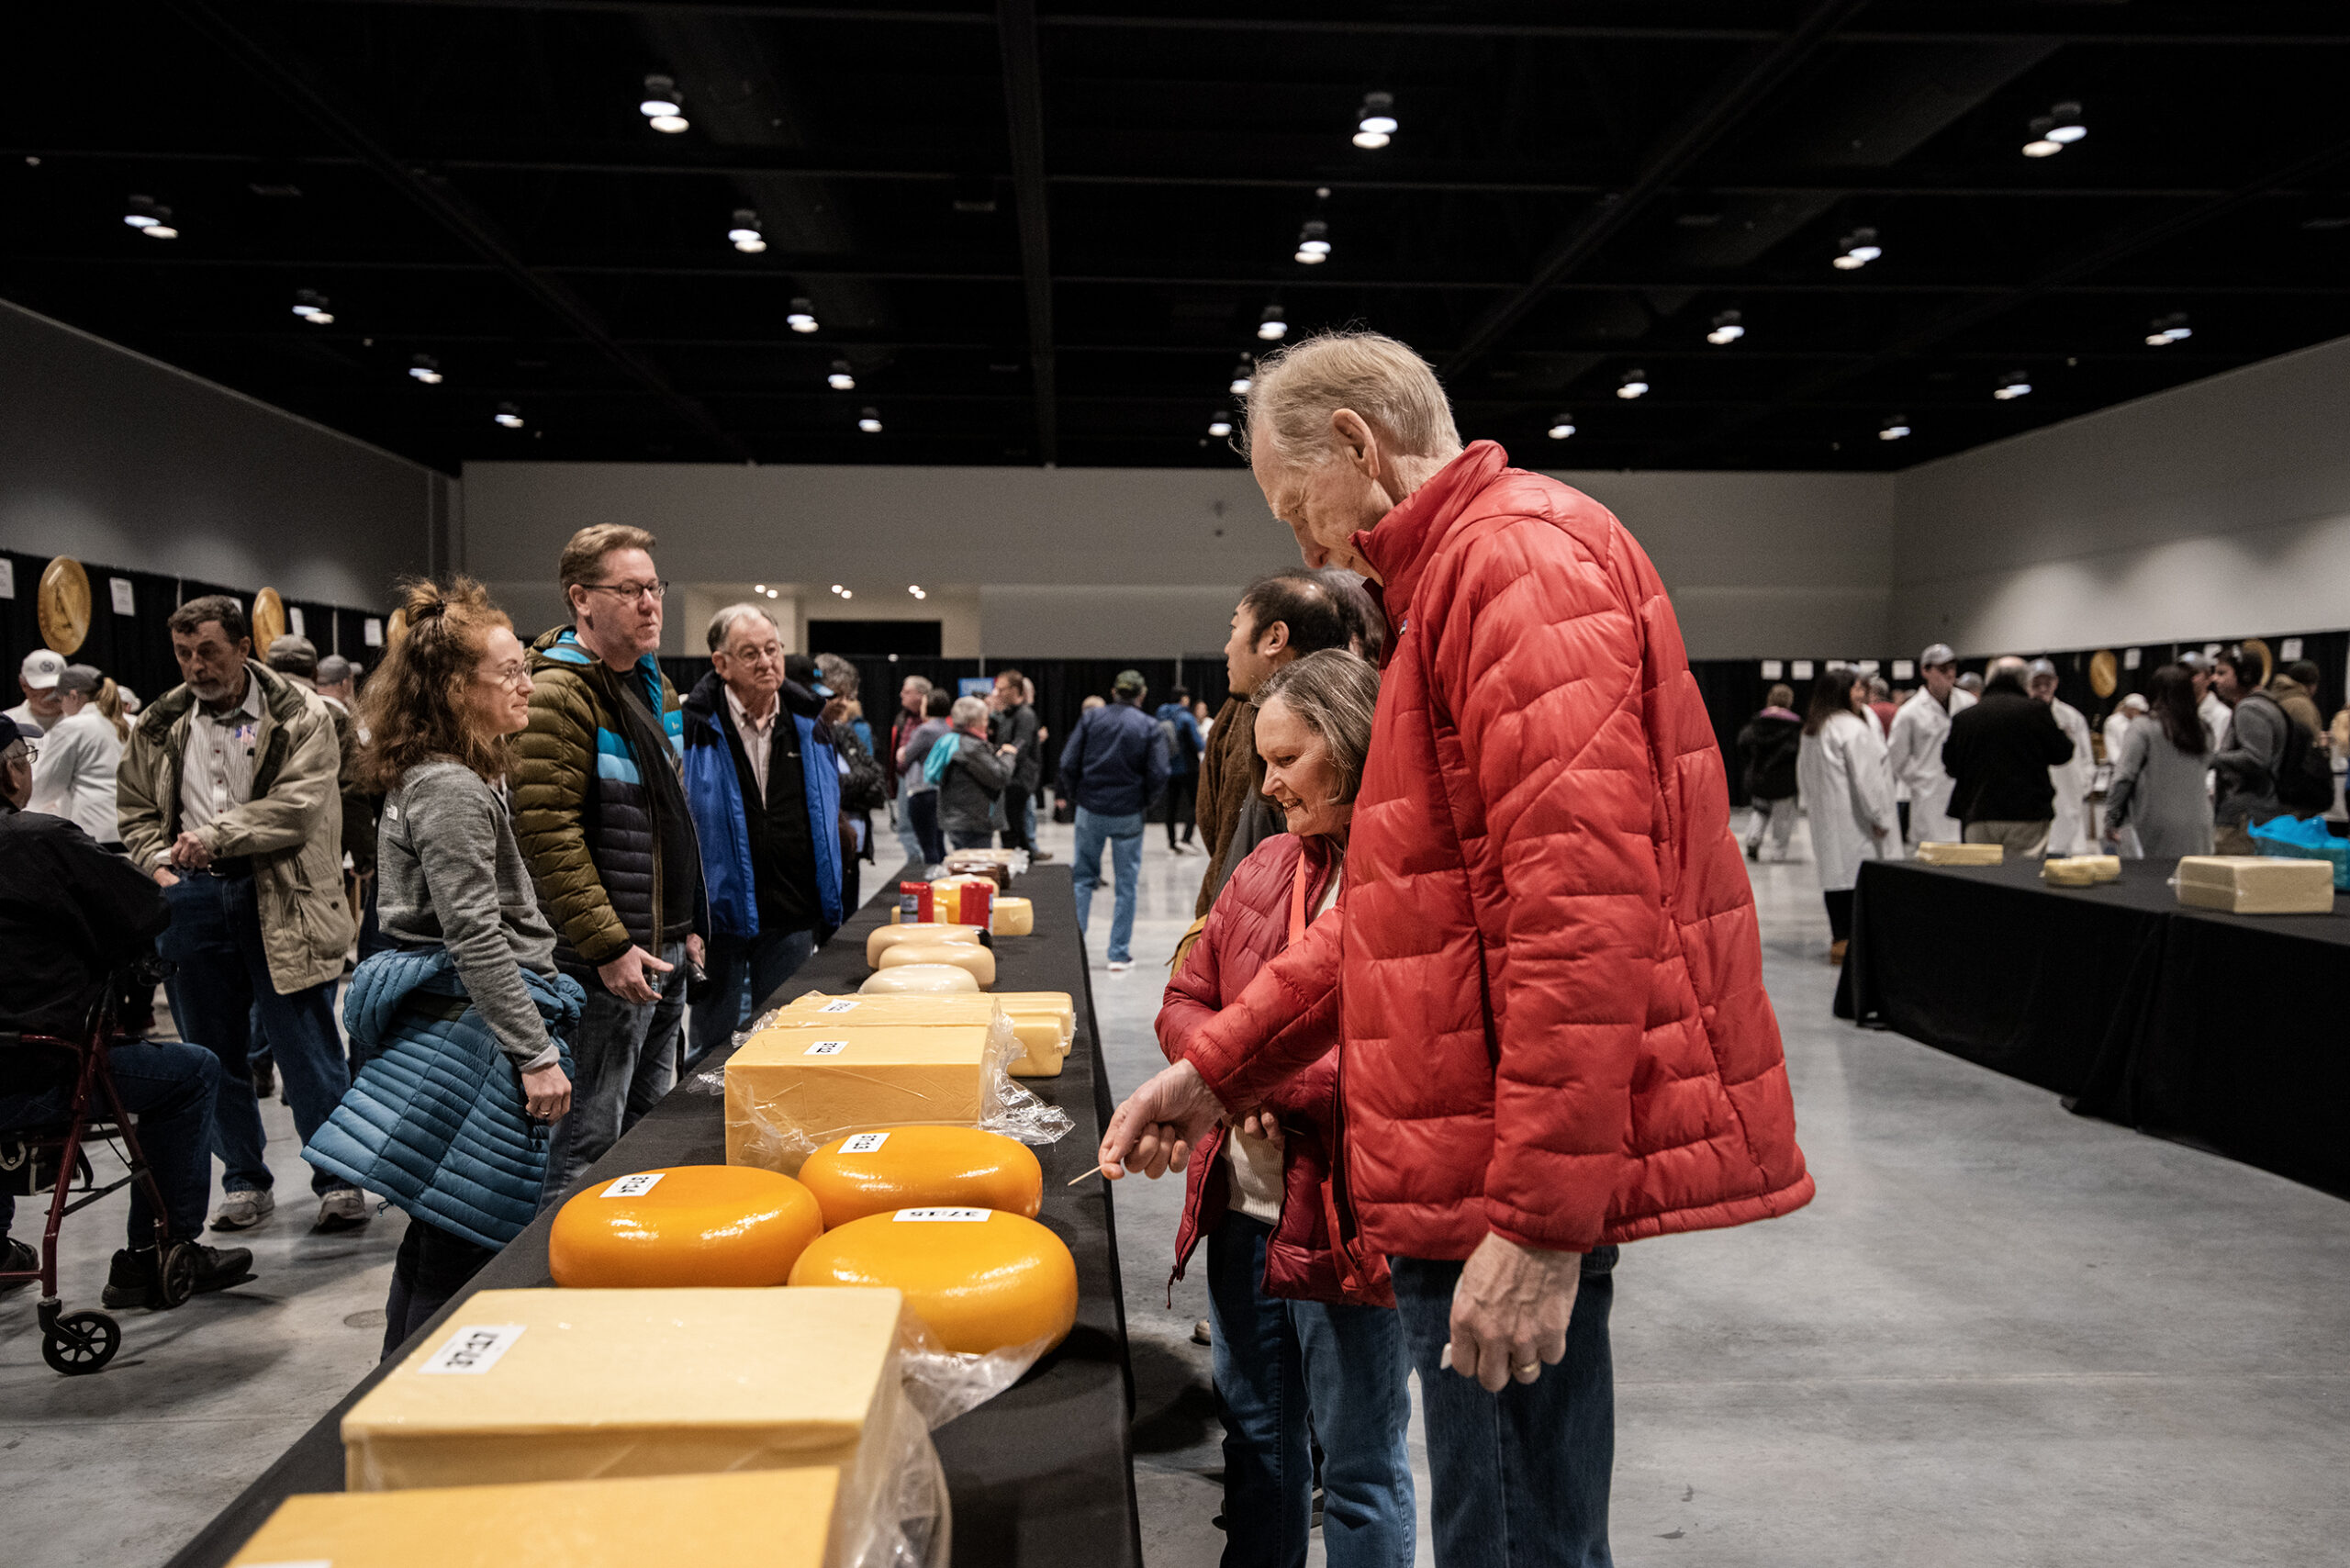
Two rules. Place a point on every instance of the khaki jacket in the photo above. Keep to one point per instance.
(291, 829)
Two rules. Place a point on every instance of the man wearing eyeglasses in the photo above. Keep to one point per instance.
(601, 814)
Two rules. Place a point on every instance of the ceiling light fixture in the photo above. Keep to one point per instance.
(837, 589)
(1727, 330)
(149, 219)
(846, 594)
(425, 368)
(1375, 121)
(1271, 326)
(1634, 385)
(869, 421)
(915, 589)
(662, 106)
(510, 416)
(759, 588)
(1244, 376)
(1313, 243)
(1857, 249)
(1561, 427)
(2165, 330)
(2013, 384)
(311, 306)
(745, 232)
(802, 318)
(842, 379)
(2055, 132)
(1895, 428)
(1220, 426)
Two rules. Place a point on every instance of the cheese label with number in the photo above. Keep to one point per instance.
(827, 1048)
(634, 1186)
(475, 1348)
(943, 1217)
(840, 1005)
(865, 1143)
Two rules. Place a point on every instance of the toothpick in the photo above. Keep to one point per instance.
(1097, 1170)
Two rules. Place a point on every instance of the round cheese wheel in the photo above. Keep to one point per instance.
(885, 936)
(969, 955)
(918, 977)
(981, 1278)
(1014, 917)
(686, 1225)
(879, 1172)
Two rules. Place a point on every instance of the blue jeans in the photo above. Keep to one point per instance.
(626, 1054)
(902, 813)
(764, 961)
(221, 985)
(1518, 1478)
(1124, 835)
(1279, 1365)
(172, 1089)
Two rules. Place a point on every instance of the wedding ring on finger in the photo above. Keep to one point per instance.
(1527, 1371)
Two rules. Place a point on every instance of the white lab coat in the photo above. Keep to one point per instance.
(2216, 716)
(1847, 790)
(1914, 753)
(73, 776)
(2069, 833)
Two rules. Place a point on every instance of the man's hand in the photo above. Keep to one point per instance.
(630, 976)
(1157, 1128)
(190, 853)
(164, 877)
(696, 954)
(546, 1093)
(1510, 1312)
(1260, 1124)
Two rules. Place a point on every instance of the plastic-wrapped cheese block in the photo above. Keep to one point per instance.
(1038, 1040)
(979, 960)
(1014, 917)
(918, 979)
(790, 1091)
(1056, 1005)
(899, 1168)
(686, 1225)
(778, 1517)
(885, 936)
(981, 1278)
(2254, 884)
(565, 1385)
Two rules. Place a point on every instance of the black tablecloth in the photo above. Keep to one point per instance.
(1042, 1474)
(2219, 1028)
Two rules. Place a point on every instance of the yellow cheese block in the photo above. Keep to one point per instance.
(1039, 1033)
(2080, 871)
(880, 1172)
(568, 1385)
(686, 1225)
(776, 1517)
(2253, 884)
(919, 979)
(789, 1092)
(969, 955)
(1055, 1006)
(1014, 917)
(1934, 853)
(885, 936)
(981, 1278)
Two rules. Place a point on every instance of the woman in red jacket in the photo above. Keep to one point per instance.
(1294, 1341)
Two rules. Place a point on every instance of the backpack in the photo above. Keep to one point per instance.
(2304, 772)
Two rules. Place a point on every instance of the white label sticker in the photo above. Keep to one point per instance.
(1802, 670)
(2131, 659)
(371, 633)
(846, 1004)
(294, 620)
(944, 1217)
(1772, 669)
(1904, 670)
(475, 1348)
(2289, 649)
(865, 1143)
(125, 602)
(827, 1048)
(634, 1186)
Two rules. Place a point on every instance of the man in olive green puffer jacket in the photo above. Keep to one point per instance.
(600, 815)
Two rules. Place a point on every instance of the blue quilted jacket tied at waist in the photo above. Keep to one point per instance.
(436, 1121)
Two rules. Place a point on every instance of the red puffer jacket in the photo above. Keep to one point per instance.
(1246, 927)
(1545, 958)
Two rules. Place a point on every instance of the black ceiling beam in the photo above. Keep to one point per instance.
(1023, 102)
(297, 86)
(1672, 156)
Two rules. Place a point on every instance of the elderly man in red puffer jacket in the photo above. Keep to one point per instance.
(1545, 965)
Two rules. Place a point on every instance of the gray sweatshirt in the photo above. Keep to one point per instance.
(450, 875)
(2158, 790)
(2243, 770)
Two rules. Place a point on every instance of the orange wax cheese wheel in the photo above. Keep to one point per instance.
(919, 979)
(901, 1168)
(981, 1278)
(1014, 917)
(686, 1225)
(979, 960)
(886, 937)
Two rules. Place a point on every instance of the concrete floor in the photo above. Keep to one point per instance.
(2001, 1334)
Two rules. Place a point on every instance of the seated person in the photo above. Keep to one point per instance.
(70, 913)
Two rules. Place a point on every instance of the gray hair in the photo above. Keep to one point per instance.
(1297, 388)
(1333, 693)
(723, 622)
(838, 673)
(969, 711)
(919, 682)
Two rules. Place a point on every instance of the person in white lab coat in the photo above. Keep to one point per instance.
(74, 777)
(2215, 713)
(1914, 750)
(2116, 730)
(1847, 793)
(2069, 833)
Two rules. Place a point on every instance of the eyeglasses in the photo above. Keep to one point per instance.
(505, 674)
(632, 591)
(22, 751)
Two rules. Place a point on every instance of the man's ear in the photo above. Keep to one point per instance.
(1356, 440)
(1273, 638)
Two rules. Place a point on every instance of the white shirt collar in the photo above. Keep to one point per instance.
(741, 715)
(251, 707)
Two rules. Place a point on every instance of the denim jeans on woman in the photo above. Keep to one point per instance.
(1124, 835)
(1517, 1479)
(1280, 1365)
(626, 1054)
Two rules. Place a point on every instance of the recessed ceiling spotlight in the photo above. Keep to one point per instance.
(425, 368)
(1313, 243)
(802, 318)
(662, 106)
(915, 589)
(2165, 330)
(745, 232)
(1271, 326)
(149, 219)
(1727, 330)
(311, 306)
(1857, 249)
(1375, 121)
(2055, 130)
(1220, 426)
(837, 589)
(2013, 384)
(510, 416)
(846, 594)
(1244, 376)
(841, 378)
(869, 421)
(1895, 428)
(1634, 385)
(1561, 427)
(759, 588)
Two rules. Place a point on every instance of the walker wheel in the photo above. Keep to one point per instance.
(175, 1278)
(81, 1342)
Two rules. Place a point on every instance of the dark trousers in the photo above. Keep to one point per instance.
(744, 972)
(172, 1089)
(624, 1059)
(923, 807)
(1840, 914)
(1182, 796)
(1520, 1478)
(431, 1266)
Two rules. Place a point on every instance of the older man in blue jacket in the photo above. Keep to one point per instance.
(1114, 766)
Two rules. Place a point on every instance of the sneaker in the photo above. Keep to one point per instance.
(132, 1283)
(265, 1079)
(1038, 857)
(340, 1208)
(243, 1210)
(1836, 952)
(1120, 965)
(1754, 851)
(1201, 1334)
(17, 1258)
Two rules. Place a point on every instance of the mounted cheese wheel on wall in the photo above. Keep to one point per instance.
(979, 960)
(981, 1278)
(686, 1225)
(904, 1167)
(887, 936)
(919, 979)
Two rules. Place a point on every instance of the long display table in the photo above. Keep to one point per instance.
(1041, 1474)
(2220, 1029)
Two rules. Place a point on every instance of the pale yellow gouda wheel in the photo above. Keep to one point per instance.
(884, 937)
(979, 960)
(1014, 917)
(918, 977)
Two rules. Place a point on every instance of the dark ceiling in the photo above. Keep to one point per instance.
(1049, 236)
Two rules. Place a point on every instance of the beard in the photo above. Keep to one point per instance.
(212, 691)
